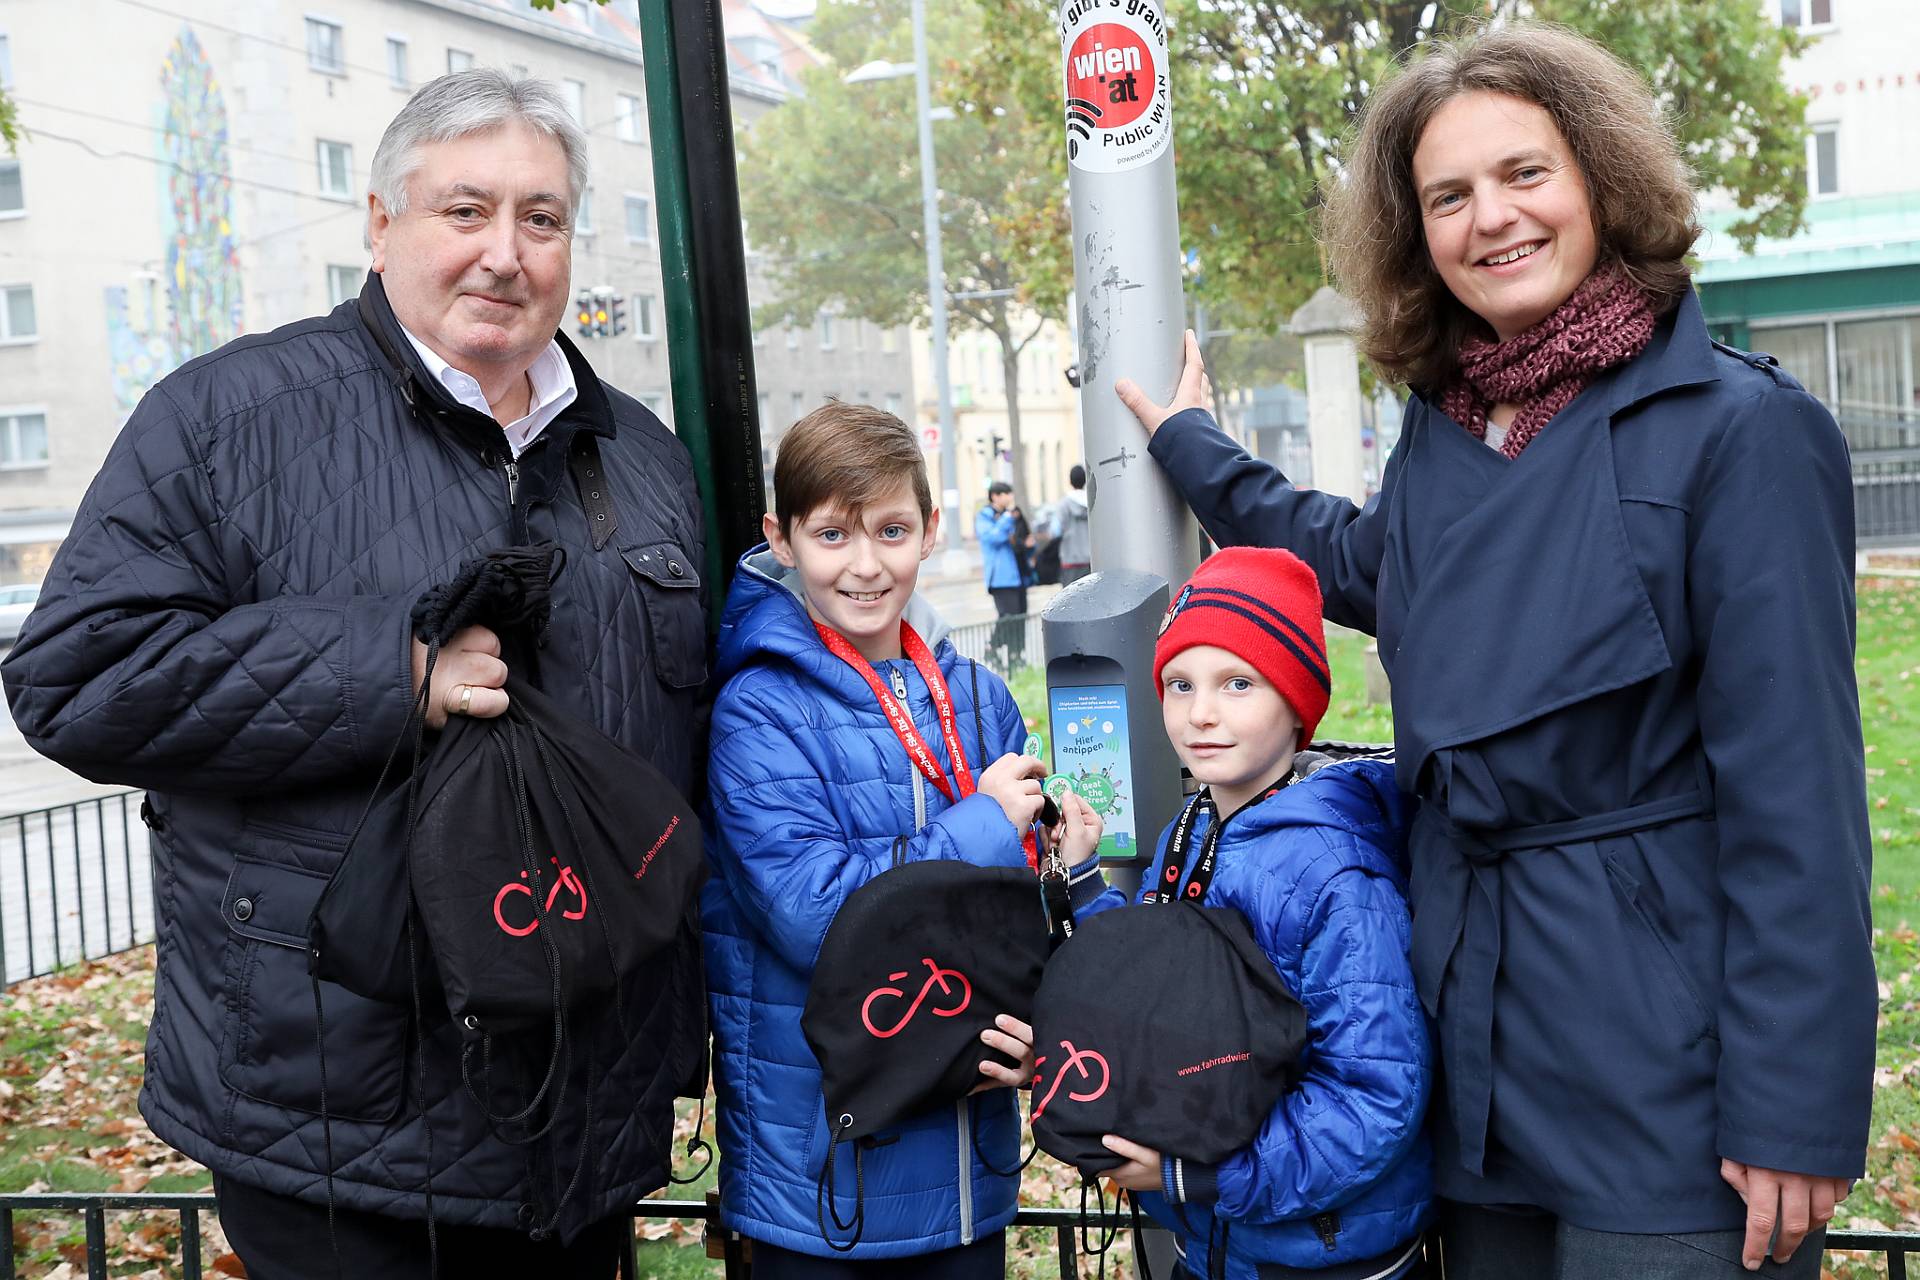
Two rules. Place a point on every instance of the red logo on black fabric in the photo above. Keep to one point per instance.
(566, 880)
(1077, 1059)
(657, 845)
(935, 977)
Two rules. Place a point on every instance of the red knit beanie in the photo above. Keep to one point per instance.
(1263, 606)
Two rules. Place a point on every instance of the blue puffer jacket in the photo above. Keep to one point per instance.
(809, 789)
(999, 564)
(1341, 1171)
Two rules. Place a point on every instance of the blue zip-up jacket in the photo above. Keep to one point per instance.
(993, 530)
(1341, 1171)
(809, 788)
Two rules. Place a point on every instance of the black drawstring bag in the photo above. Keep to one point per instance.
(1167, 1027)
(528, 866)
(917, 963)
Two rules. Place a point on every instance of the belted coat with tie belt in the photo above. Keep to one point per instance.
(1622, 672)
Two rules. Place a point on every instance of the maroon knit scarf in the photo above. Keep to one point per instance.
(1606, 321)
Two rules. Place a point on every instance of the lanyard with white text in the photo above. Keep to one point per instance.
(917, 749)
(1182, 839)
(1178, 843)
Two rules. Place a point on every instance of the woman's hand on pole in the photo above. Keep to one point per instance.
(1195, 391)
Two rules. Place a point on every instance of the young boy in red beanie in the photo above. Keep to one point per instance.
(1339, 1182)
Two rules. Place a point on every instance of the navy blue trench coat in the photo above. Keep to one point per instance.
(1623, 690)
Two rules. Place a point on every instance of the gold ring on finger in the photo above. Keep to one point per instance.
(466, 700)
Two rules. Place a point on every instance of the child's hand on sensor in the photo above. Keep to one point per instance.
(1077, 834)
(1141, 1172)
(1015, 1039)
(1014, 783)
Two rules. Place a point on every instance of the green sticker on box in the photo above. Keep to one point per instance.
(1033, 746)
(1057, 786)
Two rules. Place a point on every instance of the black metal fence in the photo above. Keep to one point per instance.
(1069, 1227)
(1003, 644)
(76, 884)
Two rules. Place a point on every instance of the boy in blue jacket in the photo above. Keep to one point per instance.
(846, 738)
(1339, 1181)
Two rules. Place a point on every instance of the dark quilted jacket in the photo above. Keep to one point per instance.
(227, 627)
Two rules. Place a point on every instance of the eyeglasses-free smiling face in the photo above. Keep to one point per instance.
(1229, 726)
(479, 265)
(858, 575)
(1508, 221)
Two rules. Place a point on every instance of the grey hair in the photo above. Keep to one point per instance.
(464, 103)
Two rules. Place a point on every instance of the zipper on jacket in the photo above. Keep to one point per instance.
(966, 1172)
(512, 470)
(1327, 1226)
(919, 783)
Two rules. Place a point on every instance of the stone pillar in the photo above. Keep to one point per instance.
(1325, 326)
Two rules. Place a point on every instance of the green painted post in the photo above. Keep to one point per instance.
(675, 213)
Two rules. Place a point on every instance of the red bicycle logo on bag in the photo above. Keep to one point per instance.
(566, 880)
(1077, 1059)
(937, 977)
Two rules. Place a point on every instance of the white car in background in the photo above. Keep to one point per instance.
(16, 602)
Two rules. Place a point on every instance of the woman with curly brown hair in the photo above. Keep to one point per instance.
(1610, 569)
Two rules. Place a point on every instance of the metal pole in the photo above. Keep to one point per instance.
(936, 292)
(1126, 269)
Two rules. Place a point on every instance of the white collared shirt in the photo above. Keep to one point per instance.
(550, 377)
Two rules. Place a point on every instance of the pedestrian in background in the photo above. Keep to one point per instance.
(1610, 567)
(995, 528)
(1070, 529)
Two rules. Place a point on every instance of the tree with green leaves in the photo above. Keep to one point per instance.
(1264, 92)
(830, 188)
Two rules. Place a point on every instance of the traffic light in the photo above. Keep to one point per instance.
(600, 317)
(619, 304)
(584, 303)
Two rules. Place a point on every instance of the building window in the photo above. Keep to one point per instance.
(6, 62)
(799, 407)
(643, 327)
(793, 335)
(325, 47)
(893, 403)
(825, 324)
(459, 60)
(583, 216)
(335, 161)
(518, 70)
(13, 196)
(863, 397)
(17, 320)
(627, 117)
(639, 219)
(1806, 14)
(889, 340)
(657, 402)
(343, 283)
(1823, 160)
(23, 438)
(1801, 351)
(1878, 402)
(575, 93)
(397, 63)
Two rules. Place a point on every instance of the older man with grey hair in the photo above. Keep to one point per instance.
(228, 627)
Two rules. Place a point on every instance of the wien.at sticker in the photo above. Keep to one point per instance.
(1119, 112)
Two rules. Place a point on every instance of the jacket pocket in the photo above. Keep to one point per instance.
(270, 1050)
(669, 584)
(1695, 1021)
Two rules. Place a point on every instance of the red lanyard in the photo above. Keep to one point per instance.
(917, 749)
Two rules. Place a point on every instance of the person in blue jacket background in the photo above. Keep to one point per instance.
(1610, 567)
(1339, 1181)
(812, 793)
(997, 528)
